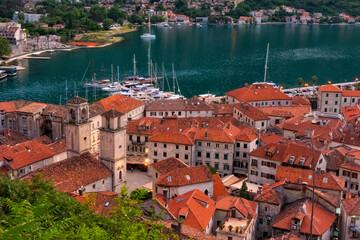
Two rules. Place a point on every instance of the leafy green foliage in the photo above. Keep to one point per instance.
(5, 48)
(107, 23)
(212, 169)
(37, 211)
(140, 194)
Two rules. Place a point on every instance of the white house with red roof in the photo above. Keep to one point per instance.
(350, 218)
(259, 95)
(350, 172)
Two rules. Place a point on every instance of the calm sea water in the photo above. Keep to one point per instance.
(212, 59)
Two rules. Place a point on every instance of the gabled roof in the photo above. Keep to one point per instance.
(270, 195)
(112, 114)
(333, 160)
(71, 174)
(120, 103)
(197, 208)
(329, 88)
(300, 101)
(267, 138)
(219, 187)
(351, 166)
(323, 179)
(252, 112)
(282, 152)
(258, 92)
(101, 202)
(246, 135)
(301, 210)
(168, 165)
(223, 109)
(245, 207)
(193, 104)
(11, 138)
(350, 93)
(286, 111)
(186, 176)
(352, 206)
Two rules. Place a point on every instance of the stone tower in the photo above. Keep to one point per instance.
(113, 146)
(77, 127)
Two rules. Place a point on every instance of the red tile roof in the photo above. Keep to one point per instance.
(72, 173)
(30, 152)
(333, 160)
(120, 103)
(282, 152)
(323, 179)
(351, 166)
(11, 138)
(329, 88)
(352, 206)
(196, 206)
(186, 176)
(219, 187)
(258, 92)
(247, 135)
(193, 104)
(270, 195)
(168, 165)
(301, 210)
(223, 109)
(267, 138)
(252, 112)
(101, 202)
(286, 111)
(300, 100)
(8, 106)
(350, 93)
(245, 207)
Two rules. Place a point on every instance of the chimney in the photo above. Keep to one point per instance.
(259, 191)
(246, 85)
(165, 196)
(80, 192)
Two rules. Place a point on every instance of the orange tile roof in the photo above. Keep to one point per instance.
(32, 108)
(11, 138)
(168, 165)
(252, 112)
(351, 113)
(120, 103)
(323, 179)
(352, 206)
(258, 92)
(270, 195)
(350, 93)
(245, 207)
(173, 137)
(247, 135)
(8, 106)
(286, 111)
(29, 152)
(267, 138)
(281, 152)
(193, 104)
(223, 109)
(301, 210)
(351, 166)
(329, 88)
(72, 173)
(196, 206)
(101, 202)
(300, 100)
(185, 176)
(219, 187)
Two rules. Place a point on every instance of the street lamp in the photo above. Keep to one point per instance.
(329, 82)
(306, 84)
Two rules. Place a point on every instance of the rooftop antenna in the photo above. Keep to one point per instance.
(266, 61)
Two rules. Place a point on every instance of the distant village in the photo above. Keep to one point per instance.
(259, 165)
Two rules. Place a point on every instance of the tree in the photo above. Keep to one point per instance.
(160, 7)
(114, 13)
(212, 169)
(5, 49)
(244, 193)
(300, 81)
(314, 80)
(107, 23)
(35, 210)
(140, 194)
(97, 13)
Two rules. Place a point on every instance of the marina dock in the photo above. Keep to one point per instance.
(40, 58)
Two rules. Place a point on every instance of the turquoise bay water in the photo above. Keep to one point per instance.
(212, 59)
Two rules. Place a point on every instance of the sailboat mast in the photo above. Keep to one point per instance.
(163, 77)
(149, 24)
(118, 74)
(92, 71)
(149, 61)
(112, 74)
(174, 87)
(134, 66)
(266, 61)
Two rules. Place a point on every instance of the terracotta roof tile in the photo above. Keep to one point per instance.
(168, 165)
(219, 187)
(352, 206)
(323, 180)
(351, 166)
(72, 173)
(193, 104)
(329, 88)
(196, 206)
(77, 100)
(223, 109)
(267, 138)
(102, 202)
(120, 103)
(185, 176)
(112, 114)
(11, 138)
(333, 160)
(286, 111)
(245, 207)
(350, 93)
(8, 106)
(270, 195)
(33, 108)
(252, 112)
(258, 92)
(285, 236)
(300, 100)
(301, 210)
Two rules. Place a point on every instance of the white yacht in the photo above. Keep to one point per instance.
(148, 35)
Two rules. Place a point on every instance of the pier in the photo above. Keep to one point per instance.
(40, 58)
(339, 85)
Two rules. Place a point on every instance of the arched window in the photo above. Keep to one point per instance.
(83, 113)
(72, 114)
(120, 175)
(206, 192)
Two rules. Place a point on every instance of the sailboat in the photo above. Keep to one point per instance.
(265, 70)
(148, 35)
(175, 84)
